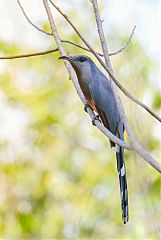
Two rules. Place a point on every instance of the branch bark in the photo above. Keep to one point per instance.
(127, 93)
(76, 84)
(126, 44)
(30, 54)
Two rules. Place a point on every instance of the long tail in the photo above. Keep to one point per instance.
(122, 178)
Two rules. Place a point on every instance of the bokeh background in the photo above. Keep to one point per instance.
(58, 175)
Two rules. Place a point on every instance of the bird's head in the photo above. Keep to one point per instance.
(80, 63)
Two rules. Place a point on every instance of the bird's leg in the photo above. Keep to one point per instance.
(96, 117)
(86, 106)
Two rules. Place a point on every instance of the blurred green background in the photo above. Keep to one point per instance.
(58, 175)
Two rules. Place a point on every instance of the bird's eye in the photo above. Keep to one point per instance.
(81, 59)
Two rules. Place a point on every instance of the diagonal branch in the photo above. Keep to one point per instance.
(126, 44)
(75, 82)
(126, 92)
(138, 148)
(72, 43)
(28, 19)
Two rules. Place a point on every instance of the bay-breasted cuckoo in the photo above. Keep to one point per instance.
(97, 90)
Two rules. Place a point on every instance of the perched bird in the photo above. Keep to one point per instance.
(97, 90)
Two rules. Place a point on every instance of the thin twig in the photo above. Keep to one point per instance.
(126, 44)
(72, 43)
(138, 148)
(126, 92)
(30, 54)
(75, 82)
(28, 19)
(84, 48)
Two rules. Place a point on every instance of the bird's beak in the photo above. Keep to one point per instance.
(68, 58)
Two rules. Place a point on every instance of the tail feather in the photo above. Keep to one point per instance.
(122, 181)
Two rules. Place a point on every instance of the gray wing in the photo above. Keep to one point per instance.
(104, 100)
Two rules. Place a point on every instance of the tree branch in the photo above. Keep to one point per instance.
(76, 84)
(30, 54)
(138, 148)
(28, 19)
(72, 43)
(126, 92)
(126, 44)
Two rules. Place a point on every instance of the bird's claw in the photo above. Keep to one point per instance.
(96, 117)
(86, 106)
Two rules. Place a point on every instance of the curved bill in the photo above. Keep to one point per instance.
(64, 57)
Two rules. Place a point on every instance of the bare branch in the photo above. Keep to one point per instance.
(24, 13)
(30, 54)
(138, 148)
(76, 84)
(108, 133)
(70, 42)
(126, 92)
(126, 44)
(84, 48)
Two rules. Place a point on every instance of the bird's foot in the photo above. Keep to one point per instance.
(86, 106)
(96, 117)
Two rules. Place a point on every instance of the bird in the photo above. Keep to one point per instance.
(98, 93)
